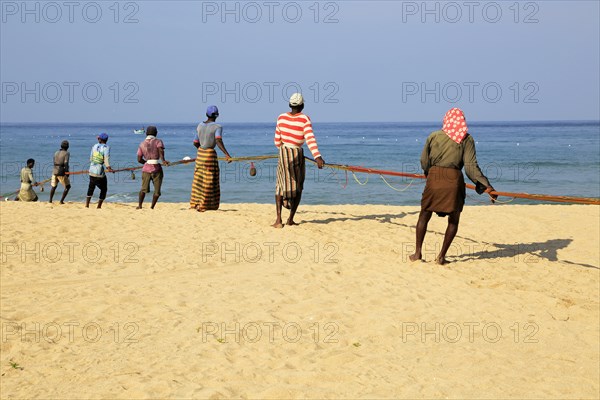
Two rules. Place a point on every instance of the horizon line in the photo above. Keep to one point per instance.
(314, 122)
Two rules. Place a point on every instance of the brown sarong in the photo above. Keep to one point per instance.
(206, 192)
(444, 191)
(290, 172)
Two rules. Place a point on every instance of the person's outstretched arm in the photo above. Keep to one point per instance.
(140, 156)
(33, 182)
(197, 139)
(472, 167)
(66, 163)
(311, 142)
(277, 139)
(161, 153)
(220, 144)
(107, 159)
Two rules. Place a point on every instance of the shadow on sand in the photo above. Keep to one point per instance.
(384, 218)
(527, 252)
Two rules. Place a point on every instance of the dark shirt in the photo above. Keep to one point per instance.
(61, 162)
(441, 151)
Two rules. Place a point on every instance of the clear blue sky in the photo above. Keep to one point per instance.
(353, 60)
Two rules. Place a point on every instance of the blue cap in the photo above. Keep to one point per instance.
(212, 110)
(103, 136)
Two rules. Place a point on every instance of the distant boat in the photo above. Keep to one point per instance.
(139, 131)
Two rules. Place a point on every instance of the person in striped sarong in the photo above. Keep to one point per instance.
(293, 129)
(206, 192)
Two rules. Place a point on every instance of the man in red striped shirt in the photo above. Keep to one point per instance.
(293, 129)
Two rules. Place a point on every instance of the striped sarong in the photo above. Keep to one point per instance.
(290, 172)
(206, 192)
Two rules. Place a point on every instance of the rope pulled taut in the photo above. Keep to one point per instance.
(354, 170)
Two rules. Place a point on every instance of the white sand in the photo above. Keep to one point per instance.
(119, 303)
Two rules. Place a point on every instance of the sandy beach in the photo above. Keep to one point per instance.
(170, 303)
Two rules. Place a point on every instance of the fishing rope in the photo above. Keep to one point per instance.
(357, 181)
(345, 185)
(132, 169)
(530, 196)
(393, 188)
(476, 200)
(357, 169)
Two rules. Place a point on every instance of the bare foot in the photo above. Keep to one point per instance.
(62, 202)
(277, 225)
(441, 261)
(138, 208)
(415, 257)
(291, 223)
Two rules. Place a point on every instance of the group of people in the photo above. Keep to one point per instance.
(150, 153)
(445, 154)
(59, 174)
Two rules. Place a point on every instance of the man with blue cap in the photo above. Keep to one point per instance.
(206, 192)
(99, 162)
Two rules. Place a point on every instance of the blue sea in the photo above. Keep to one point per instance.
(558, 158)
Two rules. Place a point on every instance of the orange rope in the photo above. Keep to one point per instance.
(531, 196)
(353, 169)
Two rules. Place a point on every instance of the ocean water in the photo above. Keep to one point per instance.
(558, 158)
